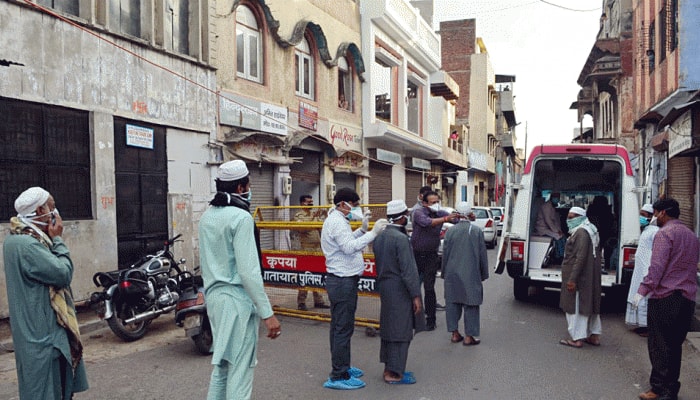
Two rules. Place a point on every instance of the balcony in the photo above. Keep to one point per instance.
(384, 135)
(403, 23)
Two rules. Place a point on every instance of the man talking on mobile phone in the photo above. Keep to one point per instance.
(38, 271)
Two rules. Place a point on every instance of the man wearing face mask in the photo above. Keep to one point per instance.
(671, 286)
(636, 315)
(580, 282)
(425, 240)
(38, 271)
(236, 299)
(344, 265)
(549, 224)
(399, 291)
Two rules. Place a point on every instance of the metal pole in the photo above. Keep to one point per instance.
(525, 155)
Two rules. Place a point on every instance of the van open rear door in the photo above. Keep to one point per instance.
(507, 214)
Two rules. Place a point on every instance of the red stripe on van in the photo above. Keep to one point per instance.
(580, 149)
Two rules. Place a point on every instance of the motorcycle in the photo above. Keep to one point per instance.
(132, 298)
(191, 312)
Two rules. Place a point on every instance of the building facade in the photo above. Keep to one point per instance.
(290, 82)
(407, 102)
(667, 107)
(466, 59)
(108, 106)
(606, 80)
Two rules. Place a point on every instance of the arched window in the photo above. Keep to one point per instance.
(248, 45)
(345, 85)
(304, 70)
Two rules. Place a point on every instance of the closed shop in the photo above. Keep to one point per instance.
(261, 183)
(306, 175)
(681, 187)
(414, 181)
(379, 182)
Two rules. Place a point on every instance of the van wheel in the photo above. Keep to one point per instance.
(520, 288)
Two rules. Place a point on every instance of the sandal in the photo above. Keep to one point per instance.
(571, 343)
(456, 337)
(592, 342)
(472, 341)
(405, 380)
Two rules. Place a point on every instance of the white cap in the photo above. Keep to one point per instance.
(463, 208)
(648, 208)
(395, 207)
(30, 199)
(578, 210)
(232, 171)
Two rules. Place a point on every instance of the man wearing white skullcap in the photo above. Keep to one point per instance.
(580, 281)
(636, 314)
(236, 299)
(38, 271)
(464, 268)
(399, 291)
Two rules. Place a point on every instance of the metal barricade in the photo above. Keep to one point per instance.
(292, 261)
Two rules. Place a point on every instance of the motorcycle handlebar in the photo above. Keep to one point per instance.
(171, 241)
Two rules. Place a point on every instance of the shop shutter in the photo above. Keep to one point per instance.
(414, 181)
(309, 169)
(261, 183)
(379, 183)
(681, 186)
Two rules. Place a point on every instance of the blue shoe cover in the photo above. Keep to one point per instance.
(355, 372)
(344, 384)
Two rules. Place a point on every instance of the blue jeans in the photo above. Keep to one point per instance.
(342, 293)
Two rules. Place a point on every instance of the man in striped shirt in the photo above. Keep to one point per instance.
(671, 287)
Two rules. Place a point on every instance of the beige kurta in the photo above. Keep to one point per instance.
(580, 267)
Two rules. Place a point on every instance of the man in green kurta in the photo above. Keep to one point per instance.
(38, 272)
(399, 291)
(464, 268)
(236, 299)
(580, 281)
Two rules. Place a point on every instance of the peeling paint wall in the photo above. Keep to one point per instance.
(66, 66)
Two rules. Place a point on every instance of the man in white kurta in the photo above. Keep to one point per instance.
(236, 299)
(637, 316)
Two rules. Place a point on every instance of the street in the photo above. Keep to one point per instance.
(519, 357)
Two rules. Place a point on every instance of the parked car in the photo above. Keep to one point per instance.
(499, 216)
(484, 220)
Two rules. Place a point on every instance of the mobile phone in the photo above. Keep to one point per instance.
(53, 219)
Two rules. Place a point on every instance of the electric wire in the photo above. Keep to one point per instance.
(214, 92)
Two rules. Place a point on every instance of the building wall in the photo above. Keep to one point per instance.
(66, 66)
(458, 44)
(339, 22)
(651, 87)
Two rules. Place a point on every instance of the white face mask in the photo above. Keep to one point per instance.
(247, 196)
(435, 207)
(355, 213)
(35, 219)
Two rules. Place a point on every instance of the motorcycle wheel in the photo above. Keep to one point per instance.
(128, 332)
(203, 341)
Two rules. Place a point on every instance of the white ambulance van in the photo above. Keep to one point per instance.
(579, 172)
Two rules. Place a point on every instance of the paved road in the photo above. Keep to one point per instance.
(519, 357)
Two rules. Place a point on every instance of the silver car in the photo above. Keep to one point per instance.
(484, 220)
(499, 217)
